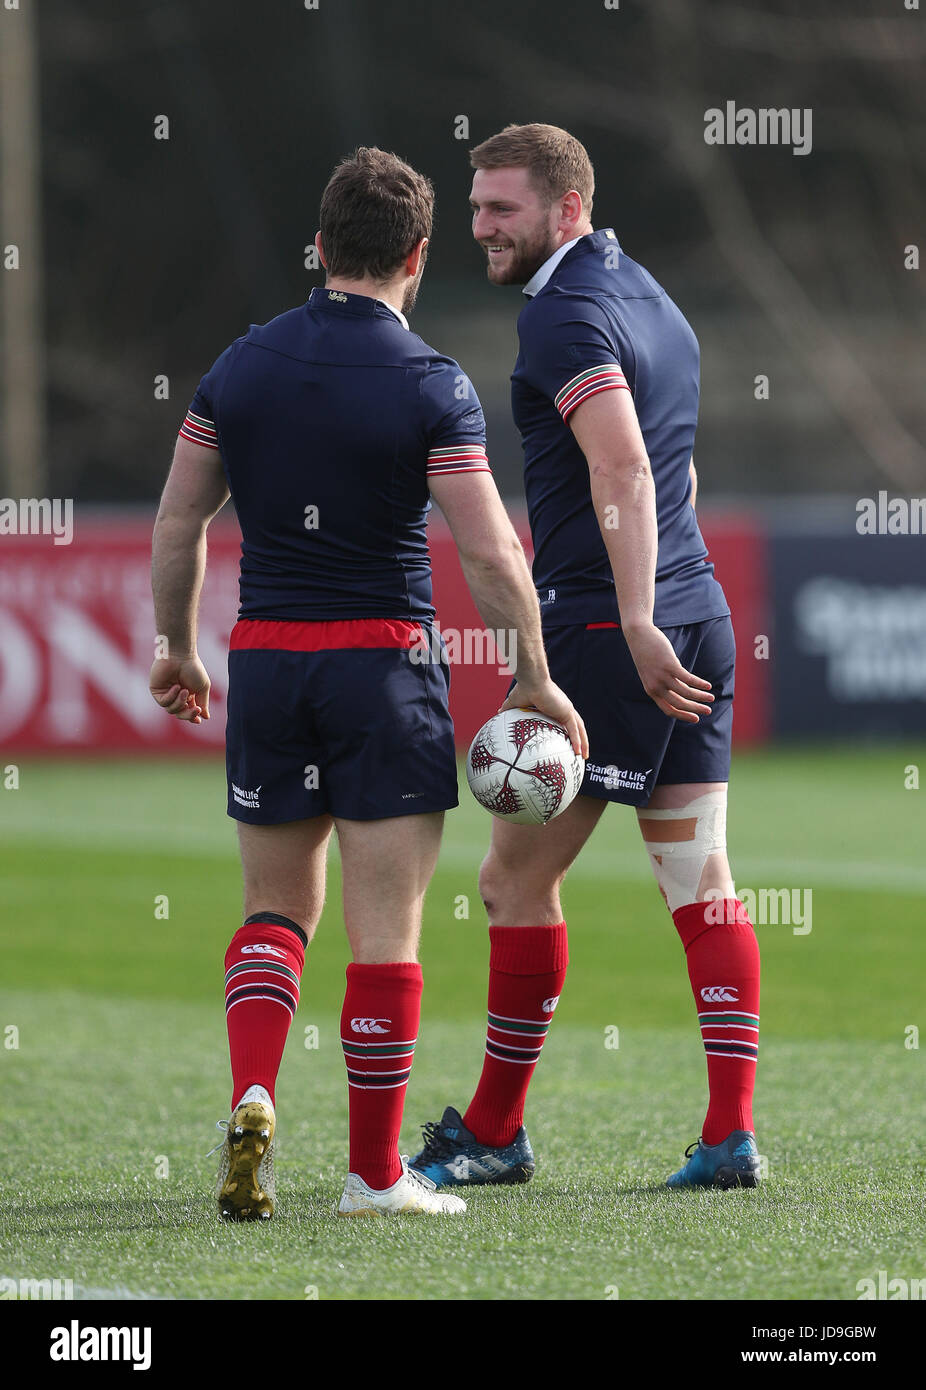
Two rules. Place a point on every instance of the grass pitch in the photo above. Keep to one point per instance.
(114, 1063)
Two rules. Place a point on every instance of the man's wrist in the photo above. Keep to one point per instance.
(167, 650)
(632, 627)
(533, 677)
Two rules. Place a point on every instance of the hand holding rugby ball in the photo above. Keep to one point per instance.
(521, 767)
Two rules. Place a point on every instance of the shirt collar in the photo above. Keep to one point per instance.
(591, 239)
(398, 313)
(540, 277)
(323, 298)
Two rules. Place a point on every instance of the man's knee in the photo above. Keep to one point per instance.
(490, 881)
(687, 848)
(513, 888)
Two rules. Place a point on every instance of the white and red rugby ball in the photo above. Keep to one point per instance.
(522, 768)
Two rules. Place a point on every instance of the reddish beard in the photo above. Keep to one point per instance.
(527, 256)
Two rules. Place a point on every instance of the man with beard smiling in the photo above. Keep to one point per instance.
(605, 396)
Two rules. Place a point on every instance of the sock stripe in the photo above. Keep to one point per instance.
(255, 968)
(362, 1049)
(506, 1054)
(378, 1086)
(261, 991)
(378, 1078)
(513, 1047)
(748, 1020)
(521, 1025)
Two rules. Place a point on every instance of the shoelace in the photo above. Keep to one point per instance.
(219, 1124)
(416, 1176)
(436, 1144)
(691, 1148)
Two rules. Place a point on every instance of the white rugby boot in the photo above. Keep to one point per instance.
(412, 1192)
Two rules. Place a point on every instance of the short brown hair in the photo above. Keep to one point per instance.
(375, 209)
(556, 161)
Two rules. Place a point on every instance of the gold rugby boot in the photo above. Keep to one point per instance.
(245, 1187)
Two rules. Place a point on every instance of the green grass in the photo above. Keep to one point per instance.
(121, 1058)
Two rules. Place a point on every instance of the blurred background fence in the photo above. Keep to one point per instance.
(160, 170)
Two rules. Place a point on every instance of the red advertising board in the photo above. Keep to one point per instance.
(77, 637)
(77, 640)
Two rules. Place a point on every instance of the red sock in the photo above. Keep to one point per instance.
(379, 1029)
(723, 966)
(263, 967)
(527, 967)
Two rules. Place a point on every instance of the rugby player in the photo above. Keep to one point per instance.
(605, 395)
(331, 427)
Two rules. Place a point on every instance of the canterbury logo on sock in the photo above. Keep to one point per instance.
(720, 994)
(549, 1005)
(259, 970)
(369, 1025)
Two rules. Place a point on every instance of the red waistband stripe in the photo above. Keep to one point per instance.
(265, 634)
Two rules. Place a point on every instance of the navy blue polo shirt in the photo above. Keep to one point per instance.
(330, 419)
(601, 322)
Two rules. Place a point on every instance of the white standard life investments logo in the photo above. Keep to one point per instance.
(617, 778)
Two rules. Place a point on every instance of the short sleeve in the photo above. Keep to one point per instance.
(199, 424)
(454, 424)
(568, 351)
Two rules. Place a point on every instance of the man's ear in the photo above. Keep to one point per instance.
(571, 208)
(320, 249)
(413, 262)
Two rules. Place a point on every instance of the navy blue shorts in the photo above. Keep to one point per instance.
(335, 717)
(633, 746)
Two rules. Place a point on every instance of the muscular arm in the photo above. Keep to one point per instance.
(194, 492)
(624, 497)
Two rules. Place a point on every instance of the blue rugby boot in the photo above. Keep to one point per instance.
(734, 1163)
(453, 1157)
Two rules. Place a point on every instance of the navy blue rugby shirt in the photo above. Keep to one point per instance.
(601, 322)
(330, 419)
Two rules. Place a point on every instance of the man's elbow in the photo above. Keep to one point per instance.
(488, 552)
(629, 473)
(181, 524)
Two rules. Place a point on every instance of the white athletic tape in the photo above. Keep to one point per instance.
(678, 863)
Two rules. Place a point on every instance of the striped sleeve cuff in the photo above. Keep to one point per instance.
(199, 430)
(607, 377)
(458, 458)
